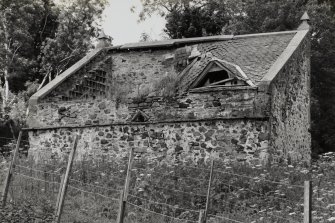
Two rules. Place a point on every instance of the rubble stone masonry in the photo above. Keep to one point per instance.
(242, 123)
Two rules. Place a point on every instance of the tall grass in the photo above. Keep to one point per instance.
(240, 191)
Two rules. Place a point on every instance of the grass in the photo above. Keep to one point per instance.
(240, 191)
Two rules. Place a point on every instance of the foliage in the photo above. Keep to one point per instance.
(15, 110)
(142, 93)
(186, 18)
(323, 77)
(192, 20)
(267, 16)
(240, 191)
(166, 86)
(41, 38)
(72, 37)
(17, 26)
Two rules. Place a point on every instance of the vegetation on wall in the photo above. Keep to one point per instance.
(166, 86)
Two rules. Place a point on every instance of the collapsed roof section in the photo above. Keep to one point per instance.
(217, 72)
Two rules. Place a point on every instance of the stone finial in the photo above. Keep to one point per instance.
(103, 40)
(304, 22)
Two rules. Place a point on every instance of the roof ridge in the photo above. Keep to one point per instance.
(174, 42)
(264, 34)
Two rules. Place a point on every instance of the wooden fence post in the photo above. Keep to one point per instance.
(208, 193)
(59, 192)
(308, 202)
(63, 187)
(121, 208)
(201, 216)
(10, 171)
(125, 192)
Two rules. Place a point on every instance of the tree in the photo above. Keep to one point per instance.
(40, 39)
(187, 18)
(17, 27)
(323, 75)
(73, 37)
(267, 16)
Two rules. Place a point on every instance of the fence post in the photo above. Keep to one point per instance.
(308, 202)
(201, 216)
(10, 171)
(63, 187)
(121, 208)
(59, 193)
(126, 188)
(208, 192)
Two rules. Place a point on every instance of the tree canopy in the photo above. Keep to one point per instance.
(38, 40)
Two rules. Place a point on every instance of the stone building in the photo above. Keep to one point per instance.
(244, 97)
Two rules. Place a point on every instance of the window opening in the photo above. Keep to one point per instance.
(140, 117)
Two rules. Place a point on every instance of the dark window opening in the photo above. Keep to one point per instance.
(213, 77)
(140, 117)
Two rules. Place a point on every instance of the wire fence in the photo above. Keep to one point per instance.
(167, 192)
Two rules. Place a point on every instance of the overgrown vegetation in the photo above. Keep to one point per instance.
(166, 186)
(166, 86)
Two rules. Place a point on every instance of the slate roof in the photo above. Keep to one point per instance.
(254, 55)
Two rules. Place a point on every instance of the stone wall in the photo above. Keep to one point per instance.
(290, 108)
(207, 105)
(223, 120)
(231, 123)
(129, 74)
(229, 139)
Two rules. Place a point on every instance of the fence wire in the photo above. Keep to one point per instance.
(174, 194)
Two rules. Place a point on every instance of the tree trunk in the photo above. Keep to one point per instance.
(6, 85)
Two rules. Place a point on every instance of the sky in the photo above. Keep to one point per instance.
(122, 25)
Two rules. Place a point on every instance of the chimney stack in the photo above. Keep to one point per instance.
(304, 22)
(103, 40)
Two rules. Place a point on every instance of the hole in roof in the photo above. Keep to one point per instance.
(212, 77)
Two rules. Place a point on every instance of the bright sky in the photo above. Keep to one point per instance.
(121, 24)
